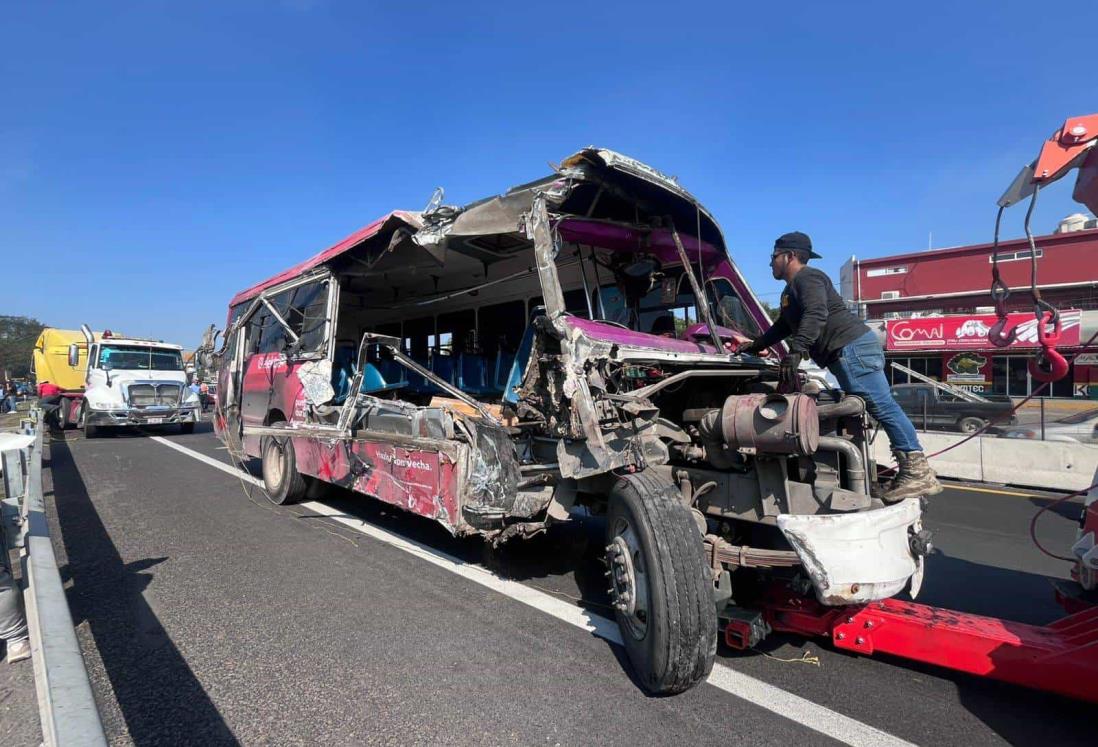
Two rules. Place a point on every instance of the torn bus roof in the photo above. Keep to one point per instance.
(499, 214)
(408, 218)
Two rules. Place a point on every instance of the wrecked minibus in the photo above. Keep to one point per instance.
(569, 343)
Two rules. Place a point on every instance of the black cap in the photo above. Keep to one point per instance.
(798, 242)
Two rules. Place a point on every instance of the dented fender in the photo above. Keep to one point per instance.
(858, 557)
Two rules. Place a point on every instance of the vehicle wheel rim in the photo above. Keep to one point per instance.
(273, 464)
(629, 579)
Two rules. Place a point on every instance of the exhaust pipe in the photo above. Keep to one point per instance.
(87, 333)
(849, 405)
(855, 467)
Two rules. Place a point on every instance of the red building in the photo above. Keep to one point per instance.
(933, 309)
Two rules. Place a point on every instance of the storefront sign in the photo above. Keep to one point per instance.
(968, 371)
(969, 332)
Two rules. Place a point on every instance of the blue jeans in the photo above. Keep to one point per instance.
(860, 371)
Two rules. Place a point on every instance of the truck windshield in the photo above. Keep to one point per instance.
(138, 358)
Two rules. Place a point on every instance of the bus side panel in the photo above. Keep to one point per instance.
(269, 384)
(422, 481)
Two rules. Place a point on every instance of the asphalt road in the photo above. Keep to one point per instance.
(209, 616)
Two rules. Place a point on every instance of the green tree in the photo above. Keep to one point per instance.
(771, 311)
(17, 336)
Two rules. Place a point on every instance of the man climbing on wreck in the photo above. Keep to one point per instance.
(818, 325)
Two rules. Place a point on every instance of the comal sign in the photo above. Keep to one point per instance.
(969, 332)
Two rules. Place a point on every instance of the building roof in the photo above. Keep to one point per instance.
(1045, 241)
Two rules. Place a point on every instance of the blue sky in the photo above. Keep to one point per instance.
(156, 157)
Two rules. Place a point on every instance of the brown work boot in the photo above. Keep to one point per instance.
(914, 478)
(18, 650)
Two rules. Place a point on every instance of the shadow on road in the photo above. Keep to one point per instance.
(564, 562)
(980, 589)
(159, 696)
(1069, 509)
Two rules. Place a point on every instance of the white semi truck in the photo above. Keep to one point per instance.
(130, 381)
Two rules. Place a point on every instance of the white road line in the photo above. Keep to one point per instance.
(783, 703)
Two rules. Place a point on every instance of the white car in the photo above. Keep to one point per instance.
(1082, 427)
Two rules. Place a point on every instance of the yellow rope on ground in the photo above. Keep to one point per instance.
(805, 658)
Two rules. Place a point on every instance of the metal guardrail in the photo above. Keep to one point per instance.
(65, 702)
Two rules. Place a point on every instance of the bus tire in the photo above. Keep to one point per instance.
(63, 413)
(282, 483)
(186, 428)
(661, 586)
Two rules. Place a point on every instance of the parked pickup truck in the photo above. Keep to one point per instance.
(933, 409)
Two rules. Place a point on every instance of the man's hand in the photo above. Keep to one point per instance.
(787, 374)
(752, 346)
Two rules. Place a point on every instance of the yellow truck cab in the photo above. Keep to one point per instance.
(50, 362)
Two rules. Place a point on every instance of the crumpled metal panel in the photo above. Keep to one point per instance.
(422, 481)
(316, 381)
(857, 557)
(493, 474)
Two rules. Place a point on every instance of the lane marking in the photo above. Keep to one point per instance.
(996, 491)
(762, 694)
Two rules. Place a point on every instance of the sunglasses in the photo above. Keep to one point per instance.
(775, 255)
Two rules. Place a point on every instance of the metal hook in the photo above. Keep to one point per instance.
(1046, 316)
(999, 337)
(1048, 365)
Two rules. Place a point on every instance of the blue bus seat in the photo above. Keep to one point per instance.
(442, 366)
(502, 373)
(522, 355)
(416, 382)
(473, 374)
(343, 371)
(518, 366)
(373, 382)
(393, 372)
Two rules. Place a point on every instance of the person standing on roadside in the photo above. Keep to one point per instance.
(820, 327)
(11, 397)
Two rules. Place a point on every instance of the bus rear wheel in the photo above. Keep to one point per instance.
(661, 587)
(282, 483)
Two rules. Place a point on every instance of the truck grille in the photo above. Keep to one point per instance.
(154, 395)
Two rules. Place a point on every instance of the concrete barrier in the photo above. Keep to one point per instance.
(1012, 461)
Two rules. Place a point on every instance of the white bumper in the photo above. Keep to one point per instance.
(858, 557)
